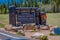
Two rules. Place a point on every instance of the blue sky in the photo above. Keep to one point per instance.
(6, 1)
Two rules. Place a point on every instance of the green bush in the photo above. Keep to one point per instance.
(1, 25)
(44, 38)
(33, 31)
(20, 34)
(51, 34)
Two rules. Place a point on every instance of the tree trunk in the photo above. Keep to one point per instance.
(57, 9)
(1, 9)
(5, 10)
(54, 8)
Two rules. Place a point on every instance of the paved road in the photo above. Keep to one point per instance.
(4, 35)
(8, 33)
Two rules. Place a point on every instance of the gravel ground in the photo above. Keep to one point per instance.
(54, 37)
(46, 32)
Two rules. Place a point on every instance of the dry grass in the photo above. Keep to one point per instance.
(53, 19)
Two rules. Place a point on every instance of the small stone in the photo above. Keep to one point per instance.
(44, 27)
(8, 27)
(37, 35)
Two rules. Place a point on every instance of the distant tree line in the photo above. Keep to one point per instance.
(28, 3)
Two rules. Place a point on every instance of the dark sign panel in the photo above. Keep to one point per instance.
(25, 17)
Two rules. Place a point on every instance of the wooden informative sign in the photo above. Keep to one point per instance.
(18, 16)
(24, 16)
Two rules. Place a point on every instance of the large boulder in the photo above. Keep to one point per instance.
(29, 27)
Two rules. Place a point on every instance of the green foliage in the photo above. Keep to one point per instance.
(44, 38)
(54, 9)
(57, 3)
(43, 10)
(20, 34)
(33, 31)
(46, 2)
(51, 34)
(29, 3)
(3, 8)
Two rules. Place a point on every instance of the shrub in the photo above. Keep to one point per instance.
(33, 31)
(51, 34)
(20, 34)
(44, 38)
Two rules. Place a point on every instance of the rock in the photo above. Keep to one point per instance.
(37, 27)
(56, 26)
(52, 32)
(14, 30)
(44, 27)
(8, 27)
(29, 27)
(21, 31)
(18, 28)
(52, 28)
(49, 26)
(37, 35)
